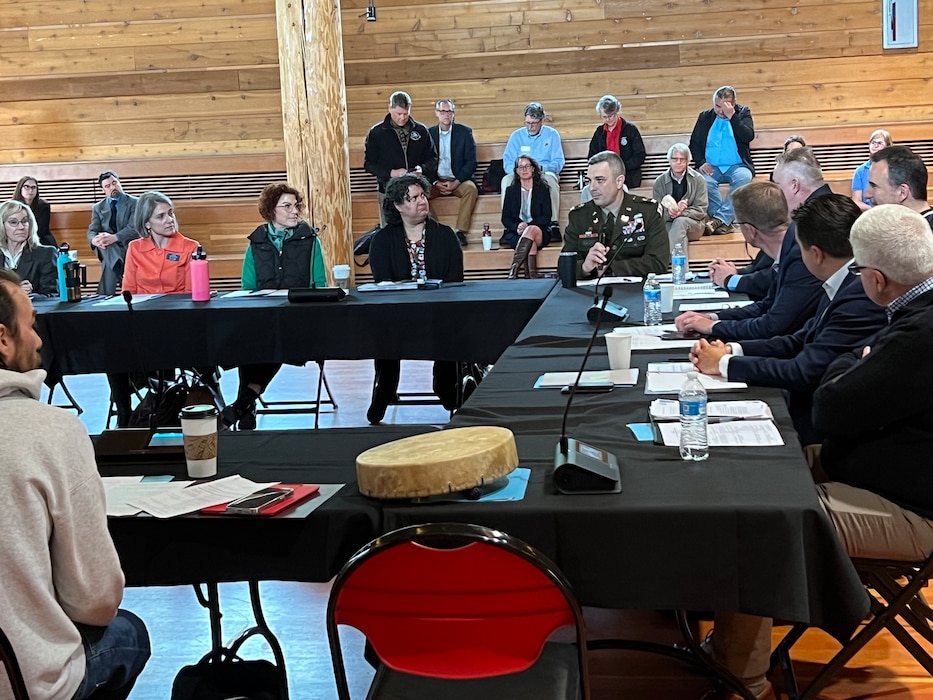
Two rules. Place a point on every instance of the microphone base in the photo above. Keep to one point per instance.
(612, 312)
(585, 469)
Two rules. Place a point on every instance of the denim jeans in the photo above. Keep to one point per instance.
(116, 655)
(736, 176)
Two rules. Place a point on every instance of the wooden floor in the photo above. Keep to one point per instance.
(295, 612)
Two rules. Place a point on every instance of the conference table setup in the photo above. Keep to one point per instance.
(742, 531)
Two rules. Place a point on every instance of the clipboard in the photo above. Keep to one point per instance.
(300, 493)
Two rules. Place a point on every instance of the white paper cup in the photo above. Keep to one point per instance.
(199, 428)
(667, 298)
(487, 242)
(342, 276)
(619, 346)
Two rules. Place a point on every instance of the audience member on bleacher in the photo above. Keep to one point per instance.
(157, 263)
(526, 216)
(27, 192)
(873, 410)
(542, 143)
(687, 188)
(412, 246)
(619, 136)
(755, 278)
(615, 227)
(844, 318)
(899, 176)
(720, 147)
(62, 582)
(456, 151)
(398, 145)
(22, 252)
(111, 230)
(283, 253)
(880, 138)
(763, 212)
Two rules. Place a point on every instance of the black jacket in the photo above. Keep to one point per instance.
(462, 150)
(743, 128)
(39, 267)
(631, 150)
(443, 256)
(540, 212)
(291, 268)
(384, 151)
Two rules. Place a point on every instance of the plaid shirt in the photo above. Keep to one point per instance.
(907, 297)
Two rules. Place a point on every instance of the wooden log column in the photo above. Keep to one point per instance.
(314, 117)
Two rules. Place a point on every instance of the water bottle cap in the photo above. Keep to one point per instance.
(692, 374)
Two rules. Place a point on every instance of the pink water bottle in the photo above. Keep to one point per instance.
(200, 276)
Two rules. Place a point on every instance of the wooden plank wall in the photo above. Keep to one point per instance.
(193, 86)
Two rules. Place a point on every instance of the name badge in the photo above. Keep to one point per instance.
(526, 149)
(174, 257)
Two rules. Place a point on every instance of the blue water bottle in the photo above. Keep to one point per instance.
(60, 264)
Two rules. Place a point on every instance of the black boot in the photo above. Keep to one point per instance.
(520, 257)
(241, 412)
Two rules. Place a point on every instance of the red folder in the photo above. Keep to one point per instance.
(300, 493)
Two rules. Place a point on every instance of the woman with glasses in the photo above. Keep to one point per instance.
(526, 216)
(412, 246)
(27, 192)
(22, 252)
(879, 139)
(283, 253)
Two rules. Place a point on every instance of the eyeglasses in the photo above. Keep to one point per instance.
(532, 122)
(444, 111)
(877, 142)
(288, 206)
(526, 166)
(415, 198)
(678, 159)
(30, 187)
(857, 269)
(17, 222)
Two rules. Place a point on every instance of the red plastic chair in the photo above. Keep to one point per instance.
(459, 611)
(13, 672)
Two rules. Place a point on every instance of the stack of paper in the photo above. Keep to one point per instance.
(649, 337)
(669, 377)
(703, 290)
(715, 305)
(557, 380)
(743, 433)
(716, 411)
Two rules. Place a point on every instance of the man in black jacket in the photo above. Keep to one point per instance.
(720, 146)
(456, 150)
(398, 145)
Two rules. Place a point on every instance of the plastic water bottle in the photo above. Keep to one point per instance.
(679, 263)
(693, 441)
(60, 265)
(652, 291)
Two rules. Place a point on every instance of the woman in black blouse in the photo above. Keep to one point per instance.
(412, 246)
(27, 192)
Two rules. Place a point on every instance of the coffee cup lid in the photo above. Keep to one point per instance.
(201, 410)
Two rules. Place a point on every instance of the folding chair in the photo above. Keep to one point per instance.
(72, 405)
(13, 672)
(459, 611)
(290, 407)
(897, 586)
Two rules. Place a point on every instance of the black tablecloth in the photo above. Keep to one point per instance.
(474, 321)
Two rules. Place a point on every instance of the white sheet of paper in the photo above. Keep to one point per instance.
(172, 502)
(742, 433)
(609, 280)
(669, 377)
(688, 293)
(557, 380)
(715, 305)
(121, 490)
(118, 301)
(669, 409)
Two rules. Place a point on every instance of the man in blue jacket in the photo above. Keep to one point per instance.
(456, 150)
(844, 318)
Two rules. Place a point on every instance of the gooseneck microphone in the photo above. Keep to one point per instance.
(578, 467)
(606, 311)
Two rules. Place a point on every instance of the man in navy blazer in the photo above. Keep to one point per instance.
(111, 231)
(456, 151)
(844, 318)
(794, 293)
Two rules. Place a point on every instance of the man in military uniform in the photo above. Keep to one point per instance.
(615, 226)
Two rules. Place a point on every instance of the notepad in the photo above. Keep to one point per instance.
(557, 380)
(669, 377)
(715, 305)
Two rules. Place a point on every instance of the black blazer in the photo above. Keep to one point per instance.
(743, 128)
(462, 150)
(540, 207)
(443, 256)
(39, 267)
(43, 214)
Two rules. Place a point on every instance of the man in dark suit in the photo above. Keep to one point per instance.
(844, 318)
(720, 147)
(111, 230)
(456, 164)
(792, 299)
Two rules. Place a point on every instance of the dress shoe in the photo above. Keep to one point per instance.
(247, 420)
(461, 236)
(720, 693)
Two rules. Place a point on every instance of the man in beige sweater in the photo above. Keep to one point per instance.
(61, 581)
